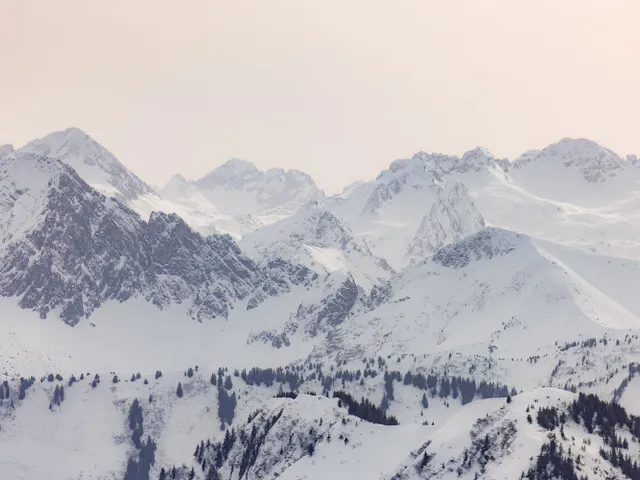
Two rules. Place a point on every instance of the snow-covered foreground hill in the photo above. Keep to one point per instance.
(216, 423)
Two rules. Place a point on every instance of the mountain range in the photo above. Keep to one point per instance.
(423, 297)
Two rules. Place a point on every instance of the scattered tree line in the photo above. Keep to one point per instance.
(552, 463)
(364, 409)
(456, 387)
(598, 417)
(283, 394)
(270, 376)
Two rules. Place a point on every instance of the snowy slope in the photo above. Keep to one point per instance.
(238, 187)
(491, 439)
(577, 171)
(523, 273)
(389, 211)
(573, 192)
(89, 433)
(494, 297)
(236, 198)
(95, 164)
(316, 238)
(104, 172)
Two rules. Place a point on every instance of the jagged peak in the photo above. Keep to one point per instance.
(231, 172)
(56, 140)
(292, 176)
(165, 218)
(314, 213)
(73, 132)
(451, 218)
(19, 167)
(420, 162)
(176, 180)
(436, 165)
(480, 158)
(568, 149)
(93, 162)
(578, 147)
(581, 142)
(236, 165)
(237, 173)
(478, 153)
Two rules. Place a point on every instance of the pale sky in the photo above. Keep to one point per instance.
(338, 89)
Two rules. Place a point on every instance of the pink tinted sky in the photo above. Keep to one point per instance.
(334, 88)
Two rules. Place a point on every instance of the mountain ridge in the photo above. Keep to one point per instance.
(509, 303)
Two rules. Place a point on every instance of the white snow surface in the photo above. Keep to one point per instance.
(523, 272)
(316, 238)
(95, 164)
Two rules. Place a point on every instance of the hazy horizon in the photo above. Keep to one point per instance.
(335, 90)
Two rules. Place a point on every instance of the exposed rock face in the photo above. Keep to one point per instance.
(321, 241)
(595, 162)
(79, 249)
(422, 171)
(338, 300)
(452, 218)
(487, 243)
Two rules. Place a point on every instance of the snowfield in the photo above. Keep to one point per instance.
(461, 308)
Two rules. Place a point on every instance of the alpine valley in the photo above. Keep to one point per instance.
(455, 317)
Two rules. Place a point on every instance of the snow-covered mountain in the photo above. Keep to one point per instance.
(390, 210)
(65, 246)
(453, 217)
(237, 198)
(95, 164)
(318, 239)
(495, 296)
(238, 187)
(294, 352)
(577, 171)
(593, 161)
